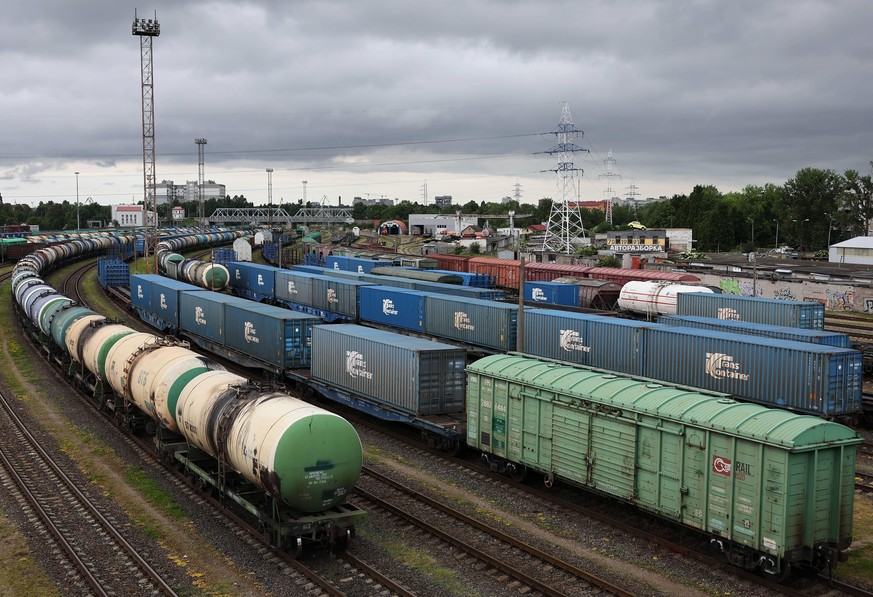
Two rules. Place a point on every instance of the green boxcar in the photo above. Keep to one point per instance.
(772, 488)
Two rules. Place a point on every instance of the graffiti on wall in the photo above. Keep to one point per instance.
(784, 294)
(839, 299)
(729, 286)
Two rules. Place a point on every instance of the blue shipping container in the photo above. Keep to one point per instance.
(202, 313)
(156, 299)
(552, 293)
(394, 307)
(252, 280)
(481, 323)
(358, 265)
(797, 314)
(590, 340)
(809, 378)
(275, 336)
(759, 329)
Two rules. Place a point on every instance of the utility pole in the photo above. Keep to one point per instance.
(270, 196)
(78, 225)
(146, 30)
(610, 164)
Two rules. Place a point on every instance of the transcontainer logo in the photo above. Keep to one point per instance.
(260, 279)
(292, 287)
(250, 334)
(728, 313)
(237, 275)
(388, 307)
(336, 265)
(537, 294)
(139, 291)
(462, 322)
(722, 366)
(571, 341)
(361, 269)
(163, 301)
(199, 316)
(331, 296)
(721, 466)
(356, 366)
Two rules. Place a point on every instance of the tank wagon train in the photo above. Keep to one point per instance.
(698, 458)
(285, 462)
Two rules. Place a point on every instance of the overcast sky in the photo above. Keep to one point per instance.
(398, 98)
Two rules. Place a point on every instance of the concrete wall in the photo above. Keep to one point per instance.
(839, 297)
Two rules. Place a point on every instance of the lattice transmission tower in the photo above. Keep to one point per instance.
(201, 161)
(609, 175)
(147, 29)
(565, 228)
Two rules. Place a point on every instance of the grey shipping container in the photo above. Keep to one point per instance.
(590, 340)
(820, 380)
(471, 321)
(294, 287)
(273, 335)
(760, 329)
(336, 295)
(412, 375)
(796, 314)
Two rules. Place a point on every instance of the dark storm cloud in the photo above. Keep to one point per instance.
(685, 92)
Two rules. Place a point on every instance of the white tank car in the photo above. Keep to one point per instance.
(653, 298)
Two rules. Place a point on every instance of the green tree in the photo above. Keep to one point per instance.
(807, 199)
(857, 208)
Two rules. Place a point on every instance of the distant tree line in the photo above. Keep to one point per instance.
(808, 210)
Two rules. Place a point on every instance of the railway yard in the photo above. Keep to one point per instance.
(436, 524)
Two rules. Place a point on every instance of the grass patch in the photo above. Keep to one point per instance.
(422, 562)
(137, 478)
(20, 574)
(859, 569)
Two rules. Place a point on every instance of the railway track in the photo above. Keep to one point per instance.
(315, 578)
(498, 553)
(88, 545)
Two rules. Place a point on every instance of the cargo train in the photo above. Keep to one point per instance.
(698, 458)
(812, 378)
(287, 463)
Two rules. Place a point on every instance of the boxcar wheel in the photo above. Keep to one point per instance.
(780, 576)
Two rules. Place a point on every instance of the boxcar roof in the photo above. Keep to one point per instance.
(706, 410)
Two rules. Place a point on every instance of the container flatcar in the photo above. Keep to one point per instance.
(771, 488)
(798, 314)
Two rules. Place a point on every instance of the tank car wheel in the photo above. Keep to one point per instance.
(778, 577)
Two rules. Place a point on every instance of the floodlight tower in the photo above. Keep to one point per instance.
(146, 30)
(565, 221)
(610, 164)
(201, 158)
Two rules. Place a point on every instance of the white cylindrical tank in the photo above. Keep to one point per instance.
(96, 346)
(74, 335)
(118, 361)
(197, 403)
(158, 378)
(653, 298)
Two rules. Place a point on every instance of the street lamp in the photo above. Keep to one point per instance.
(777, 233)
(78, 227)
(270, 196)
(801, 230)
(830, 226)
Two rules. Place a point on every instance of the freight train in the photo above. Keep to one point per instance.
(772, 489)
(805, 376)
(287, 463)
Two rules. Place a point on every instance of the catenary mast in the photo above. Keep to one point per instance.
(146, 30)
